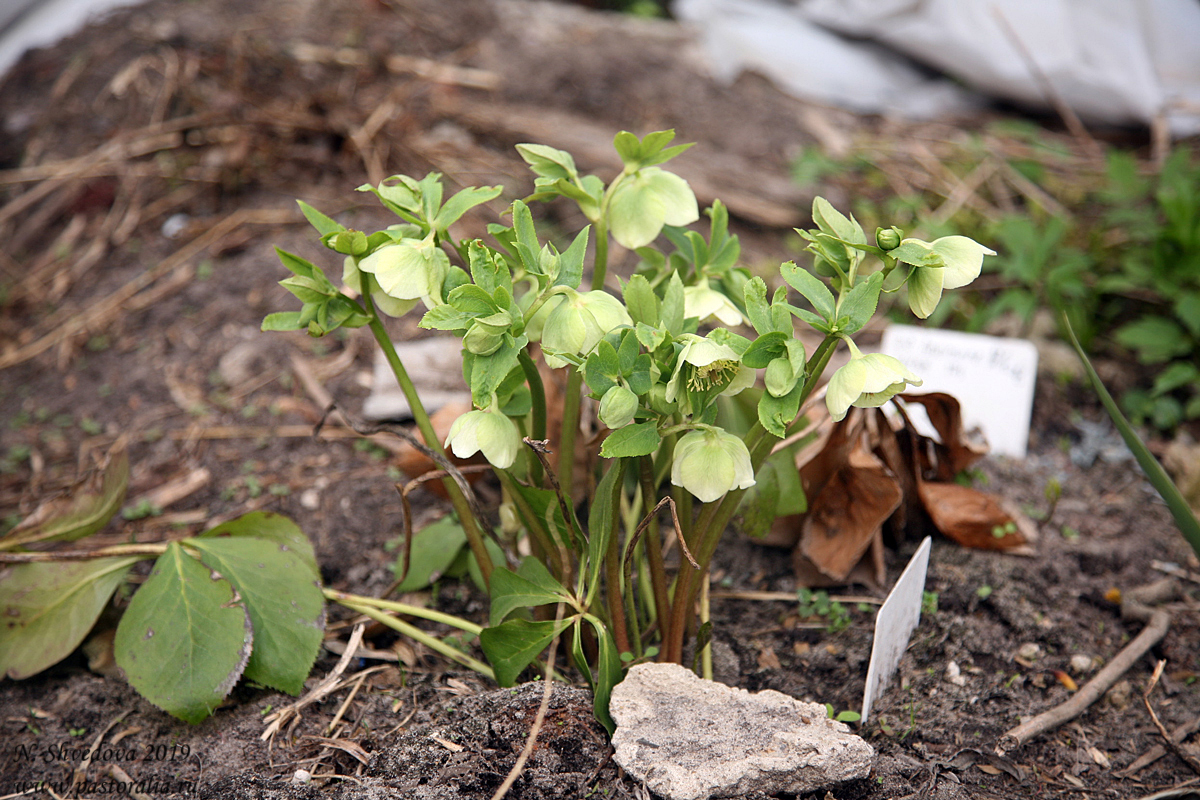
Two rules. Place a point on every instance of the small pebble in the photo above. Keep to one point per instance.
(1030, 651)
(175, 225)
(1082, 664)
(310, 499)
(1120, 695)
(302, 776)
(954, 674)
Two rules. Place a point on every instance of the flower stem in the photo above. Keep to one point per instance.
(537, 392)
(415, 633)
(421, 417)
(653, 546)
(403, 608)
(570, 427)
(600, 266)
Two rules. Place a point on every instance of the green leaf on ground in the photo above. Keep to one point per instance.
(186, 637)
(283, 597)
(535, 586)
(46, 609)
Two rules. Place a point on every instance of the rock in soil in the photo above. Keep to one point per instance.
(691, 739)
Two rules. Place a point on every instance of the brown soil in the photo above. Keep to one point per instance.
(246, 123)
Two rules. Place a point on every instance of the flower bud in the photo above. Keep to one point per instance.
(409, 269)
(888, 238)
(353, 277)
(646, 200)
(618, 406)
(481, 341)
(578, 322)
(780, 377)
(659, 402)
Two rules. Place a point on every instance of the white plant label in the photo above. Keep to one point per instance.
(894, 624)
(992, 378)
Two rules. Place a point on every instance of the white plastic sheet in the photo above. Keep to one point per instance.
(1111, 61)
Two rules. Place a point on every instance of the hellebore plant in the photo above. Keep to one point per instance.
(657, 351)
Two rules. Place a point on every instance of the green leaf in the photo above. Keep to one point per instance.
(295, 264)
(282, 595)
(433, 550)
(1176, 375)
(323, 224)
(835, 223)
(1186, 521)
(765, 349)
(513, 646)
(186, 637)
(776, 413)
(283, 321)
(533, 587)
(526, 238)
(602, 519)
(633, 440)
(608, 673)
(275, 528)
(86, 510)
(548, 162)
(487, 270)
(1156, 339)
(47, 608)
(757, 310)
(462, 202)
(643, 304)
(570, 262)
(860, 302)
(810, 287)
(672, 306)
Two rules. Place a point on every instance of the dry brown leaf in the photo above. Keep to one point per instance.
(971, 517)
(956, 451)
(849, 514)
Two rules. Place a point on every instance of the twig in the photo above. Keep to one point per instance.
(1158, 751)
(645, 523)
(1133, 607)
(1170, 742)
(82, 770)
(341, 712)
(535, 729)
(276, 720)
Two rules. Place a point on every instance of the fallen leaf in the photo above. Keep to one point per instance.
(848, 514)
(768, 660)
(957, 450)
(1066, 680)
(970, 517)
(988, 768)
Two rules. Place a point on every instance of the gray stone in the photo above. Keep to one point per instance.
(691, 739)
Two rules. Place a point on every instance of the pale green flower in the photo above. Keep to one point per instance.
(490, 431)
(709, 463)
(410, 269)
(946, 263)
(645, 201)
(352, 277)
(618, 406)
(702, 364)
(707, 304)
(578, 321)
(868, 381)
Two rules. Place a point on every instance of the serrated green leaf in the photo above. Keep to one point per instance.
(570, 262)
(757, 310)
(673, 305)
(643, 304)
(633, 440)
(859, 304)
(186, 637)
(533, 587)
(283, 596)
(810, 287)
(47, 608)
(513, 646)
(84, 511)
(776, 413)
